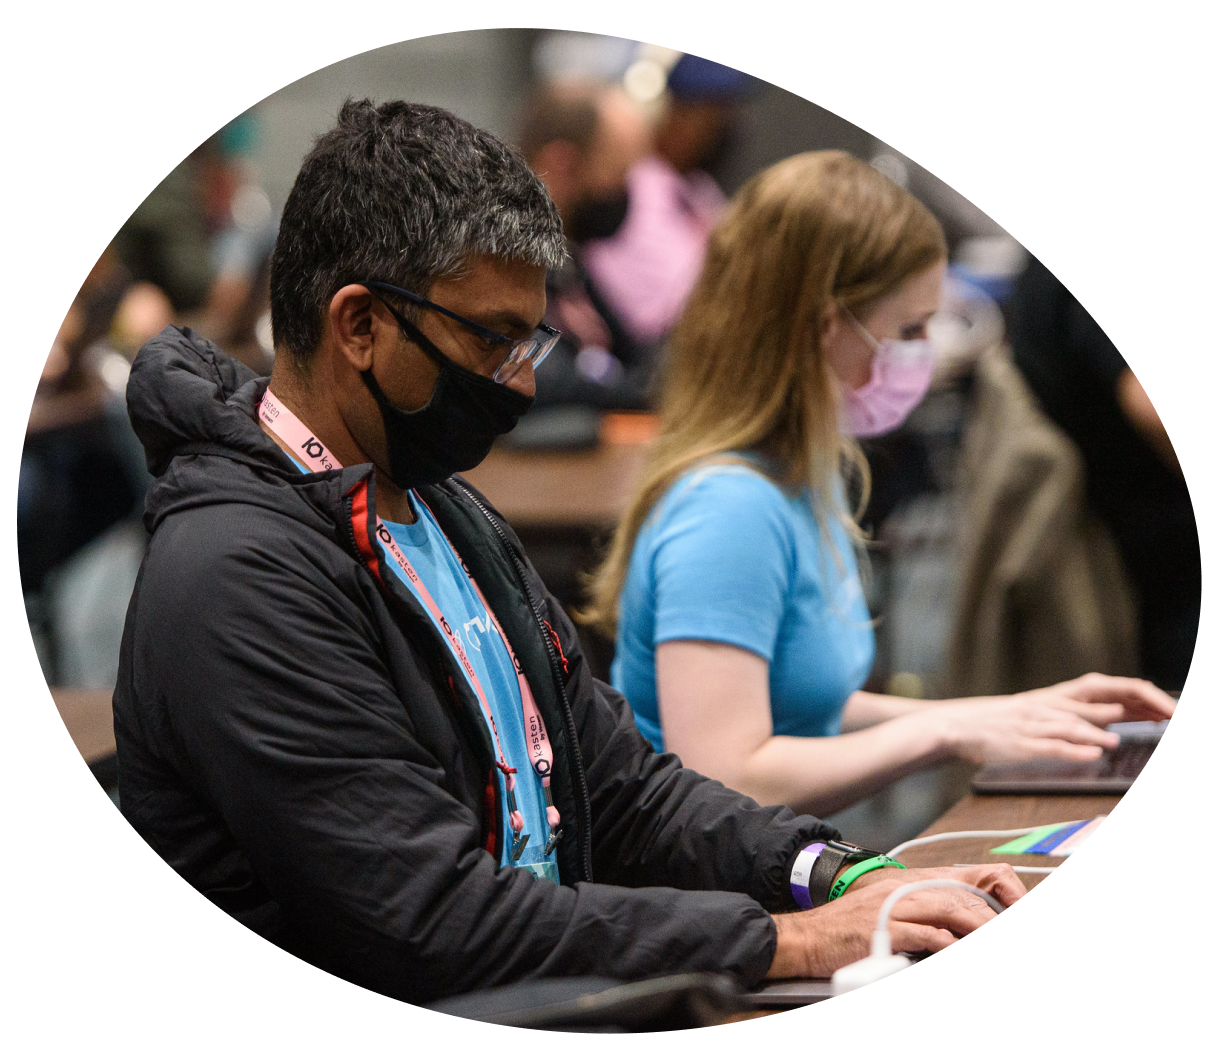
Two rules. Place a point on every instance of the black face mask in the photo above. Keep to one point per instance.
(599, 217)
(455, 429)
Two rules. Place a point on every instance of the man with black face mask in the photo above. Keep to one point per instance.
(348, 712)
(582, 138)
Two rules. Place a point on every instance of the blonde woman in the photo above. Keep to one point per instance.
(743, 637)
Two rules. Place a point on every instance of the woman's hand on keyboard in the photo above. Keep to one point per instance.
(1065, 721)
(1139, 700)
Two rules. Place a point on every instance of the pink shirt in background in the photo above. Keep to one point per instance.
(648, 268)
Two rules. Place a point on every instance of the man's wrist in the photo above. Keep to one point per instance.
(858, 870)
(800, 874)
(835, 857)
(789, 955)
(863, 881)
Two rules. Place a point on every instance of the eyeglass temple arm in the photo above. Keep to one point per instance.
(486, 332)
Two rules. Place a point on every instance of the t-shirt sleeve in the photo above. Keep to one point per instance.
(723, 557)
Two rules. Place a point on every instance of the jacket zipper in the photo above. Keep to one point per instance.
(496, 818)
(348, 508)
(583, 796)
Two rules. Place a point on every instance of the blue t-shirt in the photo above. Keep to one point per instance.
(728, 556)
(425, 547)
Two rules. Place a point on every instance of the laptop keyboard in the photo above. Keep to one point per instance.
(1110, 774)
(1125, 761)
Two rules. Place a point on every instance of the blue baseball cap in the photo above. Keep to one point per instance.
(694, 79)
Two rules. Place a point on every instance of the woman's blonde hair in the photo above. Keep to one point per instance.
(744, 369)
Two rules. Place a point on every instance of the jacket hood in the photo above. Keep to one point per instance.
(194, 410)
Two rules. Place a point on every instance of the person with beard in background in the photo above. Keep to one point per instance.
(582, 138)
(647, 269)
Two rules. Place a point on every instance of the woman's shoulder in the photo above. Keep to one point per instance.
(734, 479)
(728, 500)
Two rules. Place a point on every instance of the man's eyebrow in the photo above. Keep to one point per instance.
(508, 323)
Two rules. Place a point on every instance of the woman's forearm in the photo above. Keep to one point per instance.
(864, 710)
(821, 775)
(715, 713)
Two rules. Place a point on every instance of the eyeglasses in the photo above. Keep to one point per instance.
(530, 350)
(918, 335)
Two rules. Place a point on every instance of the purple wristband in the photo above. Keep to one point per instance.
(800, 874)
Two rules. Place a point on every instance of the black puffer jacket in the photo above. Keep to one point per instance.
(294, 739)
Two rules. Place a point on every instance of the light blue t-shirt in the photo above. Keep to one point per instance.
(425, 547)
(728, 556)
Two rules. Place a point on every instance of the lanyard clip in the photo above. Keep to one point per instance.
(518, 843)
(554, 837)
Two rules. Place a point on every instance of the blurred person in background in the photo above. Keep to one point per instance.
(646, 269)
(743, 637)
(582, 138)
(1133, 479)
(204, 236)
(81, 480)
(166, 241)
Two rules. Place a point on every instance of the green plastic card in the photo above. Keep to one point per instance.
(1020, 845)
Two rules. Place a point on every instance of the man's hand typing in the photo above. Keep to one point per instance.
(816, 942)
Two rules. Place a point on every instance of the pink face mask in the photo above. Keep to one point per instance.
(901, 372)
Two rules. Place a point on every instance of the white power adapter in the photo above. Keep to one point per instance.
(882, 962)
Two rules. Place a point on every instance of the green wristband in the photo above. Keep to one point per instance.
(854, 871)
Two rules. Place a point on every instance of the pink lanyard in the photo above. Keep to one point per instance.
(309, 450)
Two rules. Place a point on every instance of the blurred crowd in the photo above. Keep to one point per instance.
(1035, 483)
(196, 252)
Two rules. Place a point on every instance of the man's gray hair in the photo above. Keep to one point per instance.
(400, 193)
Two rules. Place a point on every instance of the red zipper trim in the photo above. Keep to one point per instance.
(490, 799)
(359, 524)
(557, 645)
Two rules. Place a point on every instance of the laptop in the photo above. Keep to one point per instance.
(790, 993)
(1109, 775)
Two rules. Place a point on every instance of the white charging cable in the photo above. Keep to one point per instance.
(965, 835)
(1034, 870)
(881, 941)
(882, 962)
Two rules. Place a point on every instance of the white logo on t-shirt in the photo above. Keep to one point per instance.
(470, 637)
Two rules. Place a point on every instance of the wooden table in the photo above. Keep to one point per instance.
(1002, 812)
(89, 716)
(568, 489)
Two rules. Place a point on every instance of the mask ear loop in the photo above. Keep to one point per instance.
(861, 330)
(429, 348)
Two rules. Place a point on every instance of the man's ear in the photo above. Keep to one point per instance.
(356, 326)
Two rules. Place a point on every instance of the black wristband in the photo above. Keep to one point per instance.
(836, 856)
